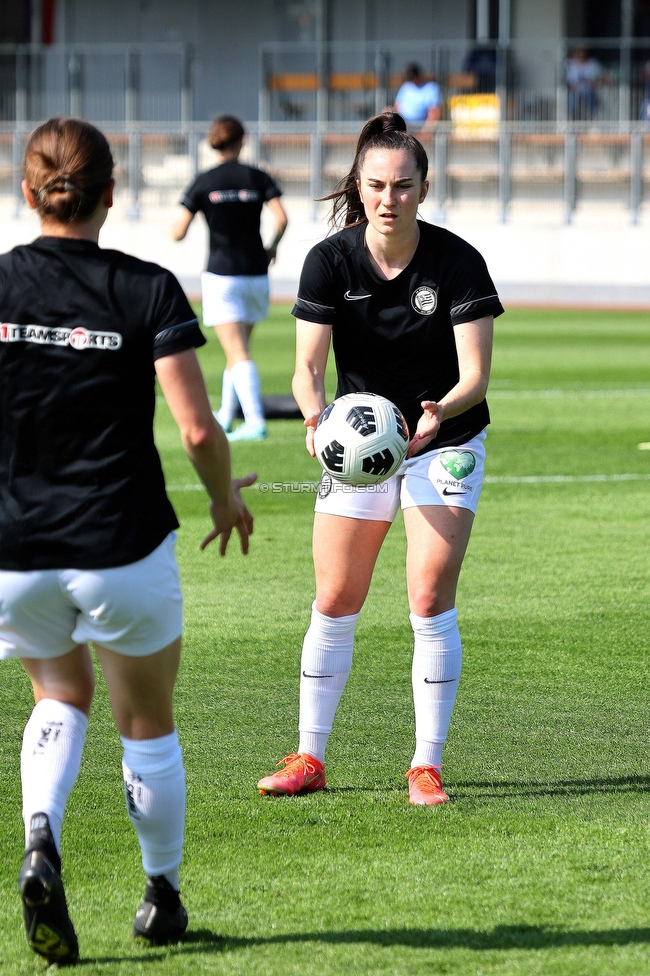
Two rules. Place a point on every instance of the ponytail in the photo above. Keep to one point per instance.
(385, 131)
(68, 166)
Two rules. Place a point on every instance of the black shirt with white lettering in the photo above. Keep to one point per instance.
(396, 337)
(81, 485)
(231, 197)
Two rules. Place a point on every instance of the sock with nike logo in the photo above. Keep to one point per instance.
(324, 669)
(437, 659)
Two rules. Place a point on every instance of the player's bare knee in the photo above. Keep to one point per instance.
(429, 603)
(338, 605)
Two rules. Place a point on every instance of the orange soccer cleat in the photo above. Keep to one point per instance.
(301, 774)
(425, 786)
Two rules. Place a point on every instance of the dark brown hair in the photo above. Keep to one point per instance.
(68, 166)
(225, 132)
(385, 131)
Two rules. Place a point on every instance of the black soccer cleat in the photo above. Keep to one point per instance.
(50, 932)
(161, 918)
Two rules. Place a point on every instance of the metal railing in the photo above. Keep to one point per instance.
(559, 165)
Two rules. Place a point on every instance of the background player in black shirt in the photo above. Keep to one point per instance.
(86, 529)
(235, 288)
(409, 308)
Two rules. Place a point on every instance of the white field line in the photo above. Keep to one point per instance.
(562, 479)
(631, 394)
(533, 479)
(497, 394)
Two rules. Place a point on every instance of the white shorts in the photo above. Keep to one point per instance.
(451, 476)
(135, 610)
(234, 298)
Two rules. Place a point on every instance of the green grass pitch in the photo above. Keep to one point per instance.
(539, 865)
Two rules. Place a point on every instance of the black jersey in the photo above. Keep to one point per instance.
(231, 197)
(396, 337)
(81, 485)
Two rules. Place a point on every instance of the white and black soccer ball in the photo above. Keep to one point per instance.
(361, 439)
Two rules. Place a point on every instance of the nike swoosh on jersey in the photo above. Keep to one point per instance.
(355, 298)
(446, 491)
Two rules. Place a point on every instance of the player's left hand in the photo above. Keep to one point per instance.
(271, 253)
(427, 428)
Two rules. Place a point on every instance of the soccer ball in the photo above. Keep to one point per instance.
(361, 439)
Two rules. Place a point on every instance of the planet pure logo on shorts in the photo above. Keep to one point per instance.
(459, 464)
(44, 336)
(424, 300)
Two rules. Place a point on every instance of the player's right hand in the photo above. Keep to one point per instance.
(231, 515)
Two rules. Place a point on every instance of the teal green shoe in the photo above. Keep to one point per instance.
(226, 425)
(248, 432)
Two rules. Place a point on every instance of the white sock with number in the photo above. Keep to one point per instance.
(229, 401)
(324, 669)
(437, 660)
(154, 787)
(50, 758)
(246, 381)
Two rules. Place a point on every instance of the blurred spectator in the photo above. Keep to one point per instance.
(418, 100)
(481, 62)
(644, 114)
(582, 74)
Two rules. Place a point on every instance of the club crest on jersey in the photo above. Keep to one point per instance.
(424, 300)
(44, 336)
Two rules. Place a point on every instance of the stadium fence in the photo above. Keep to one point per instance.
(555, 164)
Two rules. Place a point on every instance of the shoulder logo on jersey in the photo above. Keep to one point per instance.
(424, 300)
(233, 196)
(44, 336)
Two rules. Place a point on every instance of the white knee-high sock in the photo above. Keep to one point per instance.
(246, 381)
(437, 660)
(229, 401)
(324, 669)
(50, 758)
(154, 788)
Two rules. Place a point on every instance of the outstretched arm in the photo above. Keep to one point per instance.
(181, 381)
(474, 348)
(312, 348)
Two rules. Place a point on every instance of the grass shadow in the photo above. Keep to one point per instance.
(566, 787)
(502, 937)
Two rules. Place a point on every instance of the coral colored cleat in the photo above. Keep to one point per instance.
(301, 774)
(425, 786)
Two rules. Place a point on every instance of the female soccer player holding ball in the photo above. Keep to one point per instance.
(409, 308)
(86, 529)
(235, 288)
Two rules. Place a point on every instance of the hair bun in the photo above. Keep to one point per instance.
(392, 122)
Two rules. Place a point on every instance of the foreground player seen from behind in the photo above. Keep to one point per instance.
(409, 308)
(86, 529)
